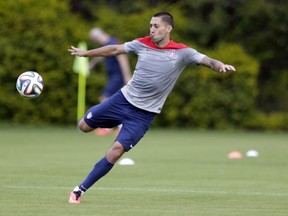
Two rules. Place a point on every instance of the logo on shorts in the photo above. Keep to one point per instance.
(89, 115)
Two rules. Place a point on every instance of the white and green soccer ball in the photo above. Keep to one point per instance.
(30, 84)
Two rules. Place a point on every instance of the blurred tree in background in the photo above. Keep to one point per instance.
(252, 35)
(35, 35)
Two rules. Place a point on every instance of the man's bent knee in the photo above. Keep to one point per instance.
(115, 152)
(84, 127)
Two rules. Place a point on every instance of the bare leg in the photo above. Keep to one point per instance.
(84, 127)
(115, 152)
(103, 166)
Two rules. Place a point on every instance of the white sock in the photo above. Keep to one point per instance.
(77, 189)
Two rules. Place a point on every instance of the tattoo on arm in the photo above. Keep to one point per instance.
(211, 63)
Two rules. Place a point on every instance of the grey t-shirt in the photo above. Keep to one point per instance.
(156, 72)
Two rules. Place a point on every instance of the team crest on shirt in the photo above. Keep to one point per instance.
(172, 54)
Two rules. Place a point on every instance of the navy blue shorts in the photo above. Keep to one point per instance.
(117, 110)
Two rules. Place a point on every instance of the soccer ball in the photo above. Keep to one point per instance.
(30, 84)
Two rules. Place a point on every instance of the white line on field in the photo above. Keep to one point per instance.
(157, 190)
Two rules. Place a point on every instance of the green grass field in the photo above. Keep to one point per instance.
(177, 172)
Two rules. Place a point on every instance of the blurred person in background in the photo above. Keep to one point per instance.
(117, 68)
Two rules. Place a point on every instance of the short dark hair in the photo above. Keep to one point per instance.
(166, 17)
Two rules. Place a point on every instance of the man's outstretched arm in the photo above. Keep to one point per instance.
(109, 50)
(216, 65)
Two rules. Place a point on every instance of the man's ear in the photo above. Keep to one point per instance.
(169, 28)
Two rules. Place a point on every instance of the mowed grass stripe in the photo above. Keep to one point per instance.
(156, 190)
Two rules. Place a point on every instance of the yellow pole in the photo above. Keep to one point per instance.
(81, 101)
(81, 66)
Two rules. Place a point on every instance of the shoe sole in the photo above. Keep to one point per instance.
(73, 201)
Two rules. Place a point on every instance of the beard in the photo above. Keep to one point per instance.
(157, 39)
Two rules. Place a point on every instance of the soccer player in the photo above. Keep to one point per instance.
(117, 67)
(160, 62)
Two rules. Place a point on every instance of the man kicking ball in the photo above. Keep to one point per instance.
(160, 62)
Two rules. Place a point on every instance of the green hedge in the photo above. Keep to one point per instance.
(203, 98)
(264, 121)
(35, 35)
